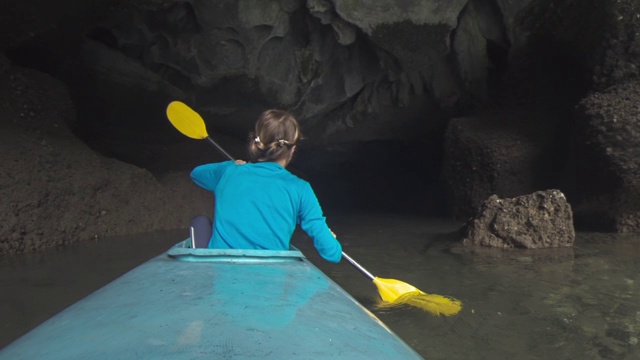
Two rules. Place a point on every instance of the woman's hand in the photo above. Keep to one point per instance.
(240, 162)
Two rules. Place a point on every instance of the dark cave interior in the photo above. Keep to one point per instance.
(399, 175)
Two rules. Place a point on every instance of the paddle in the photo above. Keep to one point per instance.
(191, 124)
(398, 292)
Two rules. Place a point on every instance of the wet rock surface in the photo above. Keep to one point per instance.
(55, 190)
(606, 126)
(540, 220)
(502, 154)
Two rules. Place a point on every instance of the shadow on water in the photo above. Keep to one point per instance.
(579, 303)
(37, 286)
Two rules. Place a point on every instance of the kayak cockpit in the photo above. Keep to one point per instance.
(183, 251)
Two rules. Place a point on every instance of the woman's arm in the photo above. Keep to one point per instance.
(207, 176)
(313, 222)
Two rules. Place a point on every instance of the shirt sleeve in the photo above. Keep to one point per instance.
(208, 176)
(313, 222)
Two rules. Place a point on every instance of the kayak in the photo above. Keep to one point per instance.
(212, 303)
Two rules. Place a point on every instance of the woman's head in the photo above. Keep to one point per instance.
(276, 134)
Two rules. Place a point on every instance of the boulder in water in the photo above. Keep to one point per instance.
(542, 219)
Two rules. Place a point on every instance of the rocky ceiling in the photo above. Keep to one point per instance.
(351, 70)
(370, 81)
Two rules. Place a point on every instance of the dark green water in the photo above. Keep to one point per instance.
(580, 303)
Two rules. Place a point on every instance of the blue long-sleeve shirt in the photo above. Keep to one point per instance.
(258, 205)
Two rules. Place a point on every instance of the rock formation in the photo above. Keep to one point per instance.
(539, 220)
(469, 97)
(607, 123)
(56, 191)
(505, 154)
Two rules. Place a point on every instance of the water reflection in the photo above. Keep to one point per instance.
(579, 303)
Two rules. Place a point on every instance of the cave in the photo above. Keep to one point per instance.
(415, 108)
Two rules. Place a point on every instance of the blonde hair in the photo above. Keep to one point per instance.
(276, 133)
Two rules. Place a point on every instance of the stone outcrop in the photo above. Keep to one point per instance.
(55, 190)
(608, 139)
(540, 220)
(582, 47)
(502, 154)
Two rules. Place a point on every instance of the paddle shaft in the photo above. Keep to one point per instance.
(358, 266)
(215, 144)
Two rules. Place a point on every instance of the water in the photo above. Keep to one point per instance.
(37, 286)
(580, 303)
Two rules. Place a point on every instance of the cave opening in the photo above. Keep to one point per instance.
(389, 175)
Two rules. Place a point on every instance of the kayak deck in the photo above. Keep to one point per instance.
(223, 304)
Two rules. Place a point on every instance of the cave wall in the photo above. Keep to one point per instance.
(455, 100)
(55, 191)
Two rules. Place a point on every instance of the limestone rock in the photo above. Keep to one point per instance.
(608, 154)
(540, 220)
(55, 190)
(502, 154)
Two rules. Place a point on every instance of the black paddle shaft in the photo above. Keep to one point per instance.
(220, 148)
(358, 266)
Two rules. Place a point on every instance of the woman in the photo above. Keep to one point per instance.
(258, 204)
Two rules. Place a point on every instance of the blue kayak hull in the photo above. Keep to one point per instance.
(220, 304)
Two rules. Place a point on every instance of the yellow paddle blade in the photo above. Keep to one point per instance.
(391, 289)
(435, 304)
(398, 292)
(187, 121)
